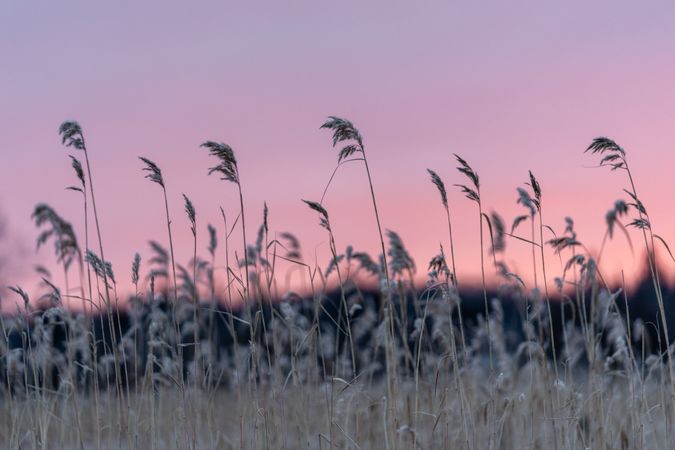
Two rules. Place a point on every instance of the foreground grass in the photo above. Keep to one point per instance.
(587, 414)
(402, 369)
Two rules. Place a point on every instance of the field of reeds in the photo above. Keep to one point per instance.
(367, 359)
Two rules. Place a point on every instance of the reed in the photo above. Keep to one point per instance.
(154, 174)
(345, 132)
(472, 192)
(228, 170)
(614, 156)
(348, 367)
(73, 136)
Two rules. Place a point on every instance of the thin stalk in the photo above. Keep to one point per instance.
(343, 302)
(243, 232)
(651, 257)
(96, 220)
(482, 274)
(86, 244)
(173, 262)
(548, 299)
(195, 309)
(247, 292)
(100, 245)
(377, 218)
(534, 254)
(452, 249)
(233, 332)
(175, 288)
(227, 261)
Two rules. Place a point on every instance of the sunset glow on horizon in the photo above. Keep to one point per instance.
(518, 87)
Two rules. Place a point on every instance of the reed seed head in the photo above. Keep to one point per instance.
(536, 189)
(77, 166)
(154, 172)
(344, 130)
(400, 259)
(65, 242)
(191, 213)
(440, 186)
(613, 155)
(438, 265)
(213, 239)
(527, 201)
(322, 213)
(228, 163)
(470, 193)
(71, 135)
(292, 247)
(499, 241)
(135, 267)
(21, 293)
(102, 269)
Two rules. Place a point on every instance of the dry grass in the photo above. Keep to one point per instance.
(590, 414)
(399, 369)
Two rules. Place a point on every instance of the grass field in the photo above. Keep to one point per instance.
(561, 364)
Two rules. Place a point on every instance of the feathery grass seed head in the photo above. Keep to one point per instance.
(65, 241)
(440, 185)
(322, 212)
(613, 155)
(192, 214)
(135, 267)
(499, 242)
(228, 163)
(213, 239)
(344, 130)
(154, 172)
(71, 134)
(77, 166)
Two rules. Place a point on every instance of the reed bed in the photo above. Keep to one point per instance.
(399, 366)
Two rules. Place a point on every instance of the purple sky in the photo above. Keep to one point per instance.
(509, 86)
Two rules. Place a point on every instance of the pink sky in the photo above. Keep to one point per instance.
(510, 87)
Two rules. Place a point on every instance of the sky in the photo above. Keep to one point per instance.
(509, 86)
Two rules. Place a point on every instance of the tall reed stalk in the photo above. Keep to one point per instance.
(473, 194)
(229, 171)
(536, 189)
(534, 204)
(325, 223)
(614, 157)
(154, 174)
(213, 300)
(438, 182)
(79, 172)
(345, 131)
(72, 136)
(192, 217)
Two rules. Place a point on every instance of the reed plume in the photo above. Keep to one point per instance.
(82, 188)
(345, 131)
(472, 192)
(438, 182)
(229, 171)
(612, 155)
(324, 222)
(154, 174)
(73, 136)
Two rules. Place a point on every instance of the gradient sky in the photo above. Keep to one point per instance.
(510, 86)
